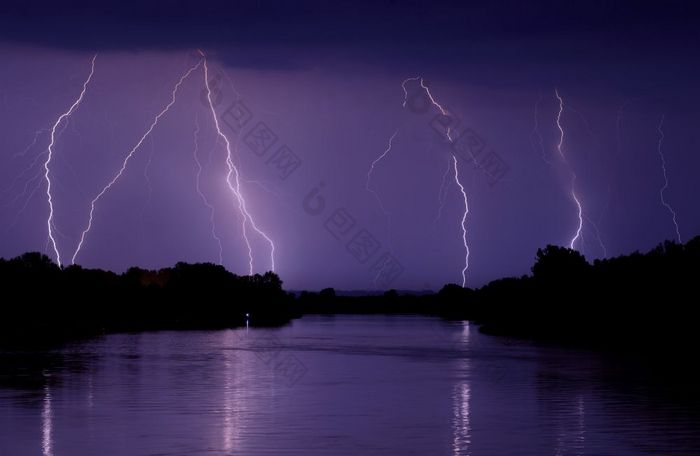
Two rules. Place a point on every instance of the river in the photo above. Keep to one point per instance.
(344, 385)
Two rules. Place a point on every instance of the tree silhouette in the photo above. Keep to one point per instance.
(557, 263)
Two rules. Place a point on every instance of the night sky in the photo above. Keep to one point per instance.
(309, 94)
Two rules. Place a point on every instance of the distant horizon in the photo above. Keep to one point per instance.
(367, 292)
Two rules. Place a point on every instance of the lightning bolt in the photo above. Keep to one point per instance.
(663, 169)
(560, 146)
(464, 221)
(561, 130)
(36, 179)
(387, 216)
(31, 144)
(618, 152)
(437, 105)
(371, 170)
(131, 153)
(442, 194)
(405, 91)
(149, 185)
(440, 108)
(33, 181)
(596, 233)
(49, 156)
(212, 224)
(235, 186)
(448, 135)
(28, 182)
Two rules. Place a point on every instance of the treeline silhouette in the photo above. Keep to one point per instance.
(42, 303)
(639, 301)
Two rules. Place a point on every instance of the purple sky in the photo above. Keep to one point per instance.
(326, 80)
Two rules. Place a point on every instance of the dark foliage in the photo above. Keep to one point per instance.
(639, 302)
(644, 302)
(43, 303)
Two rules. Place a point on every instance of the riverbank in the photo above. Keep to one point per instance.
(610, 304)
(45, 305)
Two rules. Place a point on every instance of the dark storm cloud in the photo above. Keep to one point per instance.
(283, 34)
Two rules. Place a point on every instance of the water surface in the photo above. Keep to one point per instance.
(339, 386)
